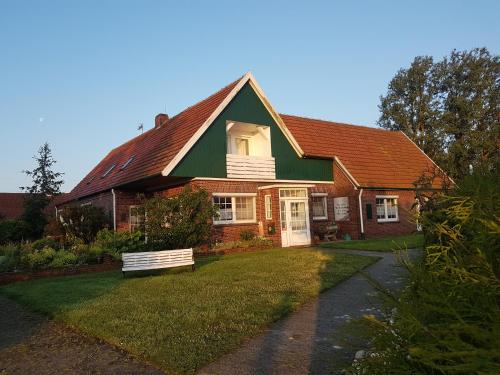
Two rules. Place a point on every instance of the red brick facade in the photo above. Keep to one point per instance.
(271, 228)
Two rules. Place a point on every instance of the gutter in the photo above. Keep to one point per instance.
(361, 214)
(114, 209)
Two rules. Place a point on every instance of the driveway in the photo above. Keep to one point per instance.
(311, 340)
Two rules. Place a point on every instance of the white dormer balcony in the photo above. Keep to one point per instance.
(249, 151)
(242, 166)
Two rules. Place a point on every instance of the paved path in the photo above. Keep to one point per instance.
(32, 344)
(308, 340)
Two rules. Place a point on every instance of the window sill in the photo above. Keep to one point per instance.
(387, 221)
(320, 218)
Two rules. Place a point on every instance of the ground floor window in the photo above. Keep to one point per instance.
(319, 206)
(387, 208)
(238, 208)
(136, 219)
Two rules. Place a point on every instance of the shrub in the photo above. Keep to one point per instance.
(45, 242)
(121, 242)
(179, 222)
(247, 235)
(446, 322)
(63, 258)
(13, 231)
(256, 242)
(38, 259)
(10, 254)
(83, 222)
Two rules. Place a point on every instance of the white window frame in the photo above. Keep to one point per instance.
(233, 197)
(130, 218)
(386, 219)
(268, 206)
(325, 205)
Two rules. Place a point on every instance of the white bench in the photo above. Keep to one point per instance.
(153, 260)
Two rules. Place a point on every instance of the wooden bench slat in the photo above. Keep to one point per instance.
(157, 259)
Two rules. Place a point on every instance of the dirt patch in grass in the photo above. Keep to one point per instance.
(31, 344)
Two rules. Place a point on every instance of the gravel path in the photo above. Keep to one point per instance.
(308, 340)
(32, 344)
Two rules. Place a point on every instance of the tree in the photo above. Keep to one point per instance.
(449, 108)
(411, 106)
(45, 185)
(46, 182)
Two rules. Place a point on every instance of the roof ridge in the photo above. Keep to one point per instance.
(338, 123)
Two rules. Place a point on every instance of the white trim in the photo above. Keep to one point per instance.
(346, 172)
(86, 204)
(114, 208)
(360, 204)
(259, 180)
(301, 186)
(234, 194)
(248, 77)
(319, 194)
(428, 157)
(387, 196)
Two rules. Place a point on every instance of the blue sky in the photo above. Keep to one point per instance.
(82, 74)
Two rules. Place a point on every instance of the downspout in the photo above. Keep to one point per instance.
(114, 209)
(361, 214)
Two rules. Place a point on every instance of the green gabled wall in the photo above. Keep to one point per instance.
(207, 158)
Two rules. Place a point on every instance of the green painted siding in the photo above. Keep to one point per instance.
(207, 158)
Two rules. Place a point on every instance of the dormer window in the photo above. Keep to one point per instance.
(108, 171)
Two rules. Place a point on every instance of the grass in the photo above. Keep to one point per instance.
(380, 244)
(182, 320)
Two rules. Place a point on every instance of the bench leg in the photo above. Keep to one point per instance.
(193, 268)
(123, 274)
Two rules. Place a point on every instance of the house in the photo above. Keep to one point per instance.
(278, 175)
(11, 205)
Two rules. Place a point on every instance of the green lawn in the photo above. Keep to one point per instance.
(380, 244)
(181, 320)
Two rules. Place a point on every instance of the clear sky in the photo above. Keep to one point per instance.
(82, 74)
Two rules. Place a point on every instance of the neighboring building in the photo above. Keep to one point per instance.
(11, 205)
(279, 175)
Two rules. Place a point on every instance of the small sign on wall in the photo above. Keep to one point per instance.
(341, 208)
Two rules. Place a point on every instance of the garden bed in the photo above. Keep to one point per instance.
(16, 276)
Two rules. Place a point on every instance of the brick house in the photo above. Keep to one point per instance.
(278, 175)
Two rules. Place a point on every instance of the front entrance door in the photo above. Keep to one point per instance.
(294, 217)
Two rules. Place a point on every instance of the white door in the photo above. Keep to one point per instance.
(294, 217)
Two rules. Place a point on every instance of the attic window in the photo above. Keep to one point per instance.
(125, 165)
(108, 171)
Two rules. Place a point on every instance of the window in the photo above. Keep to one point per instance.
(293, 193)
(242, 146)
(125, 165)
(136, 219)
(239, 208)
(268, 207)
(319, 207)
(108, 171)
(387, 208)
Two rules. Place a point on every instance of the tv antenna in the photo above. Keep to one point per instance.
(141, 127)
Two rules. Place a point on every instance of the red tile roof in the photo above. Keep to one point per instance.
(152, 150)
(11, 205)
(374, 157)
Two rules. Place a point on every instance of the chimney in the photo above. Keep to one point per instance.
(160, 120)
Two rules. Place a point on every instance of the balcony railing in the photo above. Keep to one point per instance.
(240, 166)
